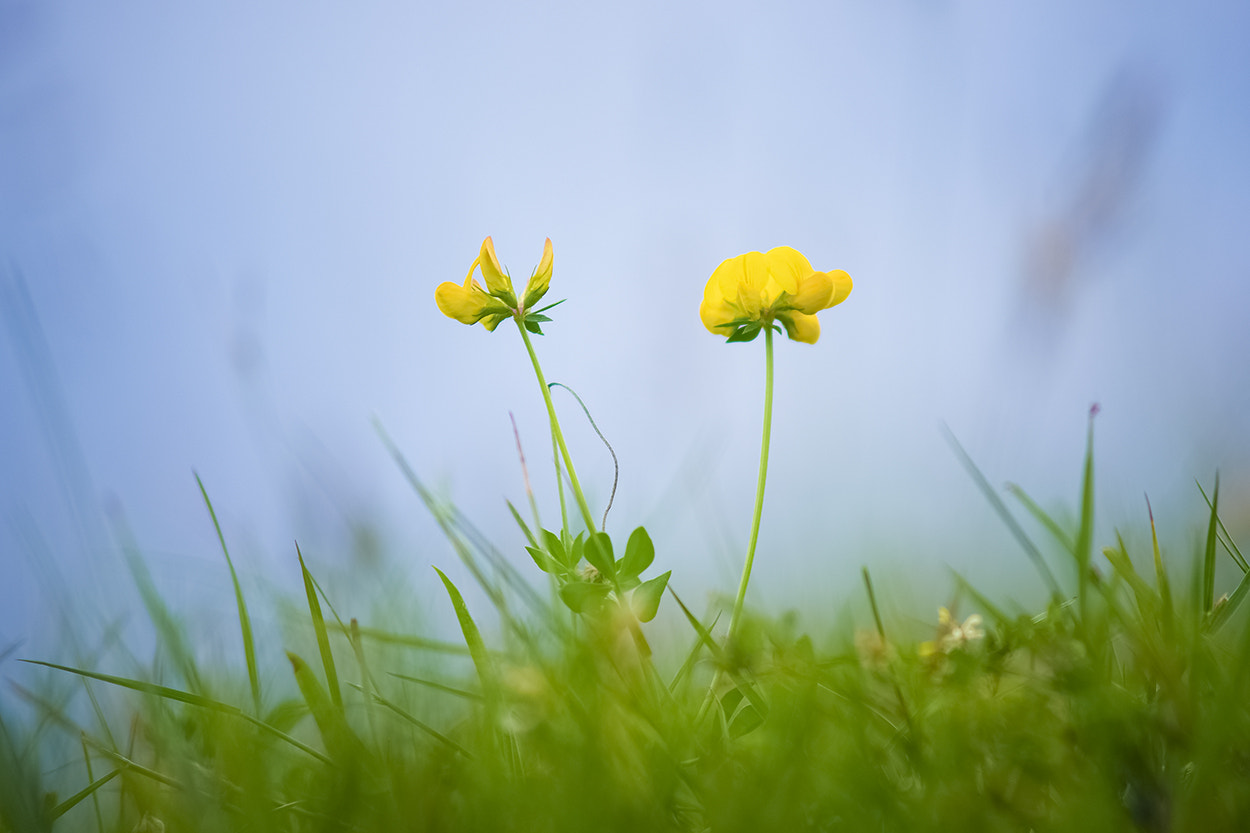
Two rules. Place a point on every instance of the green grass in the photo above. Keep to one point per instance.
(1123, 705)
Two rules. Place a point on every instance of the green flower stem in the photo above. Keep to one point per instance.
(555, 429)
(759, 487)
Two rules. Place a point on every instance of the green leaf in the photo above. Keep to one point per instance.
(533, 327)
(537, 317)
(639, 553)
(599, 554)
(323, 638)
(646, 598)
(577, 550)
(545, 562)
(583, 596)
(555, 547)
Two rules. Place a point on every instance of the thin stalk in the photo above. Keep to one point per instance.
(555, 429)
(759, 486)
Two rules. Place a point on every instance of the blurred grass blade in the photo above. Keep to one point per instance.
(87, 791)
(996, 613)
(1162, 582)
(187, 697)
(421, 643)
(473, 639)
(1230, 605)
(1148, 601)
(323, 638)
(459, 692)
(424, 727)
(168, 627)
(1085, 532)
(1208, 560)
(691, 657)
(86, 759)
(340, 741)
(1052, 526)
(516, 516)
(245, 621)
(1030, 549)
(1229, 544)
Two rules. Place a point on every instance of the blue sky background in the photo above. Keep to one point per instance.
(221, 229)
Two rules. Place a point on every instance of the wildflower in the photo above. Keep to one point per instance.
(752, 291)
(469, 303)
(951, 635)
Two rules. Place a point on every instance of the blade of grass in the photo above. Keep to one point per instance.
(692, 656)
(424, 727)
(459, 692)
(995, 612)
(168, 627)
(323, 638)
(95, 799)
(245, 621)
(339, 740)
(1030, 549)
(876, 617)
(1148, 601)
(477, 647)
(187, 697)
(1162, 581)
(1229, 544)
(705, 637)
(1052, 526)
(1208, 561)
(1085, 531)
(87, 791)
(434, 646)
(1230, 605)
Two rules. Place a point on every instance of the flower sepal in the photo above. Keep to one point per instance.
(533, 320)
(743, 330)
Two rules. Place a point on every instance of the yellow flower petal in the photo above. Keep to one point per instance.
(496, 281)
(813, 294)
(467, 304)
(789, 267)
(540, 280)
(463, 304)
(800, 327)
(841, 286)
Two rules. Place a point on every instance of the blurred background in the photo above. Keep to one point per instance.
(221, 229)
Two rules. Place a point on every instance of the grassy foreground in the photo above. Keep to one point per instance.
(1123, 705)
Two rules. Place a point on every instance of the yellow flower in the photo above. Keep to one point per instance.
(754, 290)
(469, 303)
